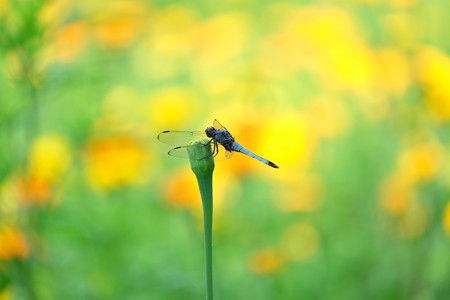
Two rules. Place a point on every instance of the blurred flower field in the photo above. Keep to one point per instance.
(350, 98)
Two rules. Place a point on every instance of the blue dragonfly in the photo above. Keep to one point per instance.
(219, 137)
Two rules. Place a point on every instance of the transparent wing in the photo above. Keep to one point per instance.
(182, 151)
(180, 138)
(217, 125)
(228, 154)
(179, 152)
(221, 153)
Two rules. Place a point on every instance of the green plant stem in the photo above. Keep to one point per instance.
(202, 164)
(205, 185)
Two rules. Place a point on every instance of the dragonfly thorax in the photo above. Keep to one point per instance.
(221, 136)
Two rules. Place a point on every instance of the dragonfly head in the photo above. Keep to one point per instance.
(210, 131)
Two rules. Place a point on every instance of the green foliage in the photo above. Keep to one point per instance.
(351, 101)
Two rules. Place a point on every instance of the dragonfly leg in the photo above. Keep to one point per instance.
(216, 149)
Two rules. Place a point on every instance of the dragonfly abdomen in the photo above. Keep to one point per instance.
(239, 148)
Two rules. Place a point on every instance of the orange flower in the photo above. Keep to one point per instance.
(119, 32)
(181, 190)
(115, 161)
(265, 262)
(13, 244)
(69, 42)
(121, 23)
(34, 190)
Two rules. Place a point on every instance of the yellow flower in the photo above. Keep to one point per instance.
(433, 71)
(219, 39)
(115, 161)
(265, 262)
(308, 40)
(172, 107)
(393, 72)
(13, 244)
(422, 162)
(300, 241)
(49, 158)
(287, 140)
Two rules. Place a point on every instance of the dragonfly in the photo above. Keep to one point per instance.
(219, 137)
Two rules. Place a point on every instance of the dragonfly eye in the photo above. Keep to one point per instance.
(210, 131)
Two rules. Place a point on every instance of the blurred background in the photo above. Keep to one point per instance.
(350, 98)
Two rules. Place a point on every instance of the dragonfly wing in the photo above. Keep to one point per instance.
(179, 152)
(182, 151)
(218, 126)
(180, 138)
(228, 154)
(222, 154)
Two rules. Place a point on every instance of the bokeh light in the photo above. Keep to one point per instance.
(350, 98)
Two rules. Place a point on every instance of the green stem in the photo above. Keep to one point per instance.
(202, 164)
(205, 185)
